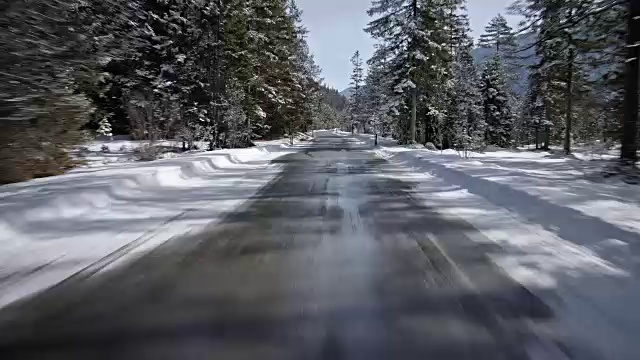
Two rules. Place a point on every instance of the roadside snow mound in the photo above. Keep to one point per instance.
(415, 146)
(54, 227)
(103, 152)
(430, 146)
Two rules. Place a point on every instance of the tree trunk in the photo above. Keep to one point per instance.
(426, 130)
(291, 133)
(629, 149)
(412, 124)
(547, 137)
(568, 118)
(353, 124)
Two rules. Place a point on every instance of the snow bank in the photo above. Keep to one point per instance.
(103, 152)
(55, 227)
(564, 232)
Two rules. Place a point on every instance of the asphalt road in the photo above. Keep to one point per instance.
(330, 261)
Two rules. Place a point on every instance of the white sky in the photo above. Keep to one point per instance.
(336, 31)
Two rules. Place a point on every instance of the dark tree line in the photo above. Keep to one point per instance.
(221, 71)
(582, 84)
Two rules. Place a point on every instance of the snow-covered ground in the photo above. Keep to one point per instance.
(568, 234)
(98, 153)
(111, 211)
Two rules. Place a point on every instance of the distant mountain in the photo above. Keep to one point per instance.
(348, 92)
(520, 67)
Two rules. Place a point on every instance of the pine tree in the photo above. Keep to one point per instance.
(547, 79)
(499, 36)
(563, 57)
(262, 36)
(496, 108)
(300, 81)
(606, 42)
(535, 111)
(357, 79)
(605, 64)
(378, 102)
(398, 27)
(566, 42)
(448, 25)
(416, 45)
(469, 126)
(446, 28)
(105, 128)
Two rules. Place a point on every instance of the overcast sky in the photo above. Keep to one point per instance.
(335, 31)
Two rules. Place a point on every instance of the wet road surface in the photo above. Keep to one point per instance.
(330, 261)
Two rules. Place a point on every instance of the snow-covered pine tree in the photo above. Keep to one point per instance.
(398, 27)
(309, 84)
(496, 108)
(605, 46)
(235, 117)
(153, 79)
(599, 23)
(104, 128)
(466, 113)
(328, 109)
(325, 117)
(304, 86)
(378, 101)
(544, 93)
(445, 23)
(243, 72)
(535, 122)
(500, 38)
(355, 102)
(257, 52)
(415, 44)
(563, 46)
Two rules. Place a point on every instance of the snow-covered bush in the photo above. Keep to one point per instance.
(146, 153)
(104, 128)
(430, 146)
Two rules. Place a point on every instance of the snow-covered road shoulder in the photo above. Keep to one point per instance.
(56, 227)
(569, 236)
